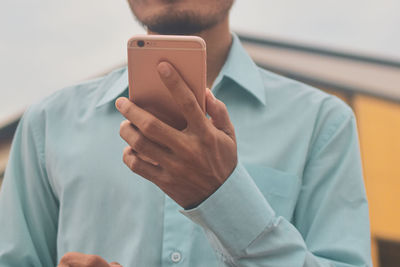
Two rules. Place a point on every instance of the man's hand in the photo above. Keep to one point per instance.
(75, 259)
(188, 165)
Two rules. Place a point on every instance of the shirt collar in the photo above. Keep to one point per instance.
(117, 88)
(238, 67)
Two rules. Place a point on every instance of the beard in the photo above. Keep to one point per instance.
(171, 21)
(184, 23)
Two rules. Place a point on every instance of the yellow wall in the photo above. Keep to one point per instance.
(379, 126)
(379, 129)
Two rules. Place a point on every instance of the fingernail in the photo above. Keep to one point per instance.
(164, 69)
(120, 102)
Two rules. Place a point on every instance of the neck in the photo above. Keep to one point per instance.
(218, 40)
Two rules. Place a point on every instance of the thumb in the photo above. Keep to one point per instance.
(218, 113)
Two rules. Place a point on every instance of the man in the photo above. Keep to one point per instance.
(281, 188)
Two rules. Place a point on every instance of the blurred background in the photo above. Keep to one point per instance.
(347, 48)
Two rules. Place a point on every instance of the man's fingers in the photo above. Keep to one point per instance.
(149, 126)
(219, 114)
(182, 94)
(141, 167)
(76, 259)
(142, 145)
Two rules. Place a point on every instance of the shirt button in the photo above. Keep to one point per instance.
(176, 257)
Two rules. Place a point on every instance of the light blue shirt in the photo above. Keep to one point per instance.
(296, 197)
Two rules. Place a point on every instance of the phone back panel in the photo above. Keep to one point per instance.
(186, 53)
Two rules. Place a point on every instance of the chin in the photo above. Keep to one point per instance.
(180, 17)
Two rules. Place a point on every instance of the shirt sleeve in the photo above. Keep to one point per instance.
(331, 221)
(28, 207)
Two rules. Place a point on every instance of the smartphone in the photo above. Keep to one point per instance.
(186, 53)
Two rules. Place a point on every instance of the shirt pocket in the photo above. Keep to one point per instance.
(279, 188)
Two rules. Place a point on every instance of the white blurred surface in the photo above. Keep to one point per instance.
(50, 44)
(368, 27)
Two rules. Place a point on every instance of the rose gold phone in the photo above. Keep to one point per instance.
(186, 53)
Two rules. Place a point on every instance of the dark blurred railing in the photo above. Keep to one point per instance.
(6, 135)
(347, 73)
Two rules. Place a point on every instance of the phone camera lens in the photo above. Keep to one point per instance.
(140, 43)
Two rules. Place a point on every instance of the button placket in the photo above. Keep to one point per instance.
(176, 257)
(176, 229)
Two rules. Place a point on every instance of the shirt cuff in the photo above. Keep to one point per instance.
(236, 214)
